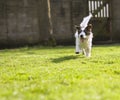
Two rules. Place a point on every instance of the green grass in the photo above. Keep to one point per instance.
(46, 73)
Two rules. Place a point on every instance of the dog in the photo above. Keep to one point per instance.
(84, 41)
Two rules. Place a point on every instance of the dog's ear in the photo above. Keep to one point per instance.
(77, 27)
(90, 26)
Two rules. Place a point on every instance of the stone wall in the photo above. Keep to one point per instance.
(23, 22)
(61, 20)
(115, 7)
(28, 21)
(65, 14)
(3, 23)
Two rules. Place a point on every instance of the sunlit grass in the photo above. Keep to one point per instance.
(46, 73)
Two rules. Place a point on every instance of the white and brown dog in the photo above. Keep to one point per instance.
(84, 40)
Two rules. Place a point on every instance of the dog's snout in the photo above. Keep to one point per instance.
(81, 36)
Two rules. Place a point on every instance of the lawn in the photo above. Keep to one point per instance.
(46, 73)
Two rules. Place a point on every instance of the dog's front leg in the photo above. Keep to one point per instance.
(83, 52)
(88, 52)
(77, 43)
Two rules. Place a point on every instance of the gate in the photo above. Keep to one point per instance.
(101, 19)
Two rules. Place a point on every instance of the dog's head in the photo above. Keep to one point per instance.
(84, 34)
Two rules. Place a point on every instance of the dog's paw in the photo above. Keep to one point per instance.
(76, 52)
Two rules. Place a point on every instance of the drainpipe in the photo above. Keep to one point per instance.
(51, 41)
(50, 19)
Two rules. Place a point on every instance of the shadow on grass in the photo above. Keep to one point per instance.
(64, 58)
